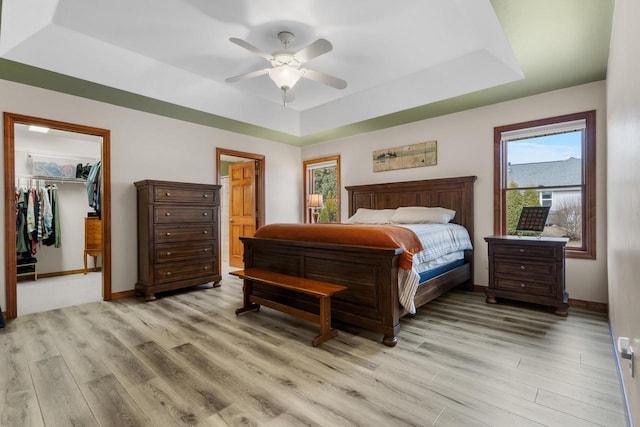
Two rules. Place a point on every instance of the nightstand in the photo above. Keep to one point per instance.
(530, 269)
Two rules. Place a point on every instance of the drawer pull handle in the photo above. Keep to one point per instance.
(522, 267)
(521, 250)
(168, 214)
(168, 234)
(168, 253)
(167, 194)
(522, 285)
(206, 249)
(204, 214)
(205, 232)
(168, 273)
(206, 267)
(205, 195)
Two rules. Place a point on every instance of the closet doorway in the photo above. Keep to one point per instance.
(13, 128)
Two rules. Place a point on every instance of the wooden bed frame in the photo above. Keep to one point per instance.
(371, 274)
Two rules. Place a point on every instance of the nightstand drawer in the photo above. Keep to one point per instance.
(524, 269)
(525, 287)
(526, 251)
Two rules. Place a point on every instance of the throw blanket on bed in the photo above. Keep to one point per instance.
(379, 236)
(439, 240)
(442, 243)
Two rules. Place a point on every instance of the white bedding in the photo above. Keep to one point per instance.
(442, 243)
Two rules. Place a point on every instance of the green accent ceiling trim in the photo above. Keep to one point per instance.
(33, 76)
(558, 44)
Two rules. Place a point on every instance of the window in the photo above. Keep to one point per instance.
(322, 178)
(549, 162)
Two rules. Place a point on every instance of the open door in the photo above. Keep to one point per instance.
(242, 208)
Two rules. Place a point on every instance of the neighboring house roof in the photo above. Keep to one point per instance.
(559, 172)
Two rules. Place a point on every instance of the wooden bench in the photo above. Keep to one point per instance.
(321, 290)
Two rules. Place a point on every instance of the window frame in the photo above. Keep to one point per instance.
(307, 168)
(588, 248)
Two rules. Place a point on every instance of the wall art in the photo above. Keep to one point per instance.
(406, 156)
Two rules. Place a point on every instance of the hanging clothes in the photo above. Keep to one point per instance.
(55, 236)
(37, 218)
(47, 213)
(21, 221)
(93, 187)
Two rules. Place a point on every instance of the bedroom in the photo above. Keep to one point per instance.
(462, 150)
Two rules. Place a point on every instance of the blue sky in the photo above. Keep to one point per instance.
(545, 148)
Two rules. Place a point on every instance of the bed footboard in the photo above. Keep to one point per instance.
(371, 275)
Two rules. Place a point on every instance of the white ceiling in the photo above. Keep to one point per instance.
(393, 55)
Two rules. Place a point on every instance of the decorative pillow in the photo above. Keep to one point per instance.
(371, 216)
(422, 215)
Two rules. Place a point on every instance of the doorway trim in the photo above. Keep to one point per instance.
(11, 280)
(260, 166)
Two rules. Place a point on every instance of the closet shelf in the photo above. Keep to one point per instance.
(56, 179)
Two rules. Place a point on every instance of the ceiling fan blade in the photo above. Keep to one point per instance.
(317, 48)
(323, 78)
(250, 48)
(245, 76)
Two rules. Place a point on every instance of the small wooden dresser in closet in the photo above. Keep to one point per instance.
(92, 240)
(178, 242)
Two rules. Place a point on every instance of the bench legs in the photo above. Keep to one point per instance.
(323, 319)
(248, 305)
(326, 332)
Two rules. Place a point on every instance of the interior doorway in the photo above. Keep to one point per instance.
(13, 125)
(244, 215)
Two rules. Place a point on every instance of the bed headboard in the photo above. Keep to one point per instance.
(451, 193)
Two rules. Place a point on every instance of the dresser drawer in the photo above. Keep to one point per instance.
(171, 272)
(186, 251)
(525, 287)
(526, 251)
(92, 233)
(185, 233)
(168, 194)
(525, 269)
(176, 214)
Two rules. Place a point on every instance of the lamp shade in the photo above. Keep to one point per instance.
(284, 76)
(315, 201)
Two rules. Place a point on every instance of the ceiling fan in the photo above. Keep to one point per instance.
(286, 65)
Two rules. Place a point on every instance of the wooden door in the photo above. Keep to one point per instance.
(242, 208)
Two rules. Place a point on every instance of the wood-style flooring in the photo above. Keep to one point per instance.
(187, 360)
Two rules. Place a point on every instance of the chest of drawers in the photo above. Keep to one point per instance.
(529, 269)
(178, 242)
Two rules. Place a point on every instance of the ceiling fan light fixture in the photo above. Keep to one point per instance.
(284, 76)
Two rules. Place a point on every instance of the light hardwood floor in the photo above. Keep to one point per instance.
(186, 359)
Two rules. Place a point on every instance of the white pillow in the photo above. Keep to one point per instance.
(422, 215)
(371, 216)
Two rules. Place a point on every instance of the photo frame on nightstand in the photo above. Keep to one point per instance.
(533, 218)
